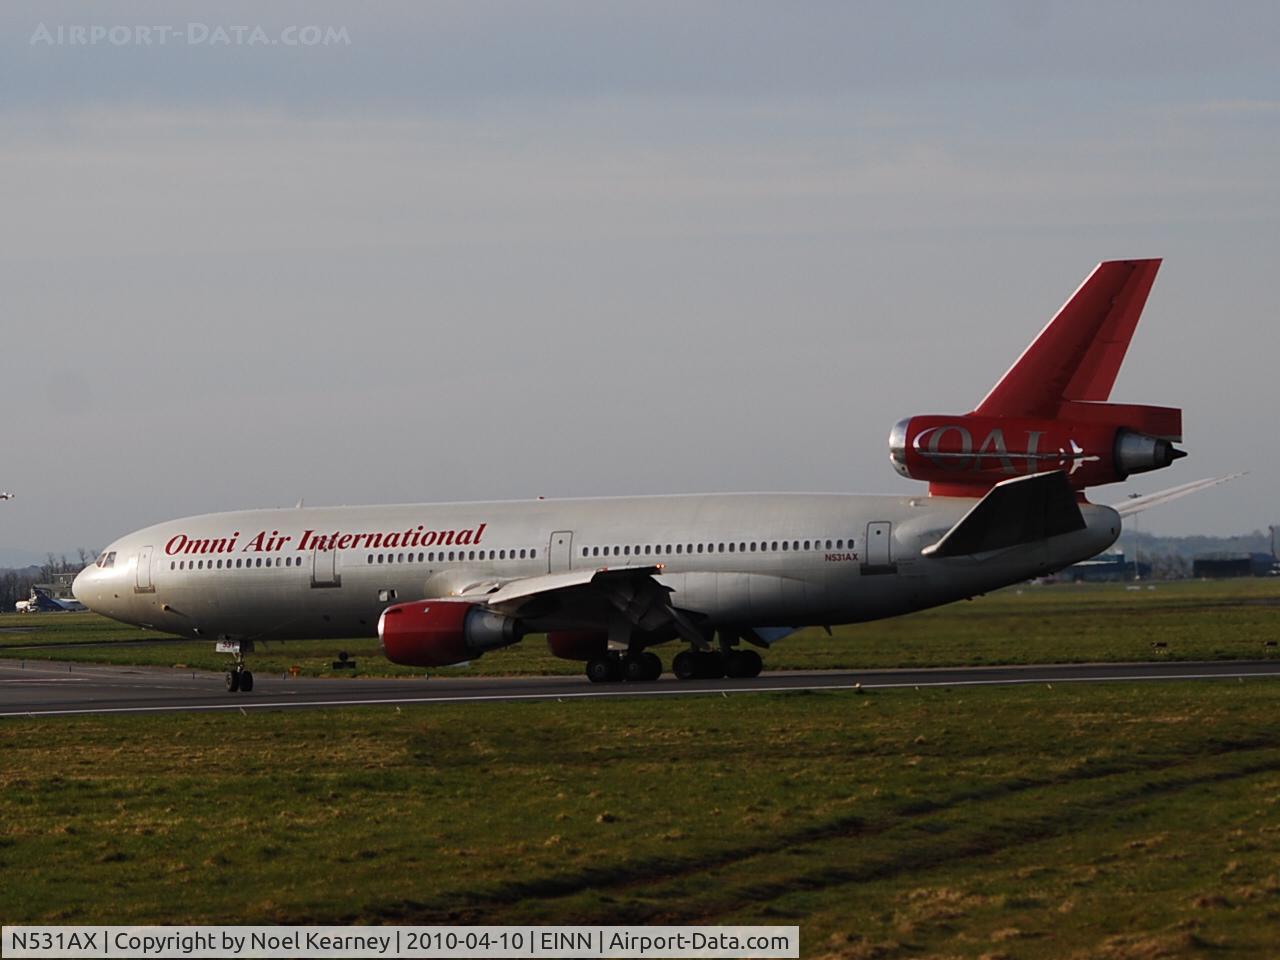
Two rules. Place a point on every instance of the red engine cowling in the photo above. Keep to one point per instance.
(436, 633)
(578, 644)
(966, 455)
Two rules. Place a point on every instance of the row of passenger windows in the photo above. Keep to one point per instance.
(239, 562)
(744, 546)
(627, 550)
(443, 557)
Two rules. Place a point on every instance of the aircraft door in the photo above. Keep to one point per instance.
(142, 583)
(877, 554)
(560, 551)
(324, 569)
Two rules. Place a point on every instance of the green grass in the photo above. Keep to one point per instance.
(1100, 821)
(1195, 620)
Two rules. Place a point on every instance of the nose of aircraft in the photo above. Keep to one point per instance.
(79, 586)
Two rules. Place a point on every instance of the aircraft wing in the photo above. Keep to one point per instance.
(632, 592)
(523, 589)
(1127, 508)
(1022, 510)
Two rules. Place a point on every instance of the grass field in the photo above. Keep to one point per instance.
(1102, 821)
(1194, 620)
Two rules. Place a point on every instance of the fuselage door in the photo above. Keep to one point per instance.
(143, 584)
(560, 551)
(878, 553)
(324, 569)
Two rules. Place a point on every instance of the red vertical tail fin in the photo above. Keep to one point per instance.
(1077, 356)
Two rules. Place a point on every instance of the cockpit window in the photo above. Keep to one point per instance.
(107, 559)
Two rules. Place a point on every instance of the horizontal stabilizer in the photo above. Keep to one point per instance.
(1018, 511)
(1128, 508)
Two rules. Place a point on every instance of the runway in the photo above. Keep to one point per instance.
(43, 689)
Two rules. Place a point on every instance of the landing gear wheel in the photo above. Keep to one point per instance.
(606, 669)
(246, 681)
(684, 666)
(743, 663)
(654, 666)
(634, 669)
(709, 666)
(642, 667)
(233, 681)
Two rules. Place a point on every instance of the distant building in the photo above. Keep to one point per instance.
(1106, 568)
(1219, 566)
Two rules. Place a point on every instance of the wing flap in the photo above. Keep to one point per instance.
(1014, 512)
(528, 587)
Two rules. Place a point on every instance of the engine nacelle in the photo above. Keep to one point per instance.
(962, 454)
(436, 633)
(578, 644)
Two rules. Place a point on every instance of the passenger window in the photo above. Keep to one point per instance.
(784, 544)
(731, 548)
(627, 550)
(678, 546)
(806, 544)
(722, 548)
(839, 544)
(534, 554)
(699, 548)
(400, 558)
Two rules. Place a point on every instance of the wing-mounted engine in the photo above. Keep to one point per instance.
(436, 633)
(1050, 411)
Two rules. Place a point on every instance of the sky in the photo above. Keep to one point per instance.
(442, 251)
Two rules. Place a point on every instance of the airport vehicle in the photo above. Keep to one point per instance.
(609, 579)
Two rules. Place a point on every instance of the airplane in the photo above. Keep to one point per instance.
(5, 495)
(608, 579)
(42, 601)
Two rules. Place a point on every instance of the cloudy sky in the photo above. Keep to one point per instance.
(498, 250)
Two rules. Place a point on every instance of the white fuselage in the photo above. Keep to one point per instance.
(757, 560)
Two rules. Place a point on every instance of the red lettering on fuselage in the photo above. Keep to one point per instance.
(274, 541)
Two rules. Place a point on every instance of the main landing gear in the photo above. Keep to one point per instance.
(635, 667)
(239, 679)
(712, 664)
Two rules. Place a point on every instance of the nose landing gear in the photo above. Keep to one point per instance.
(239, 679)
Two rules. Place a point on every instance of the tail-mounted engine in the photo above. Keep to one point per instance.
(967, 455)
(436, 633)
